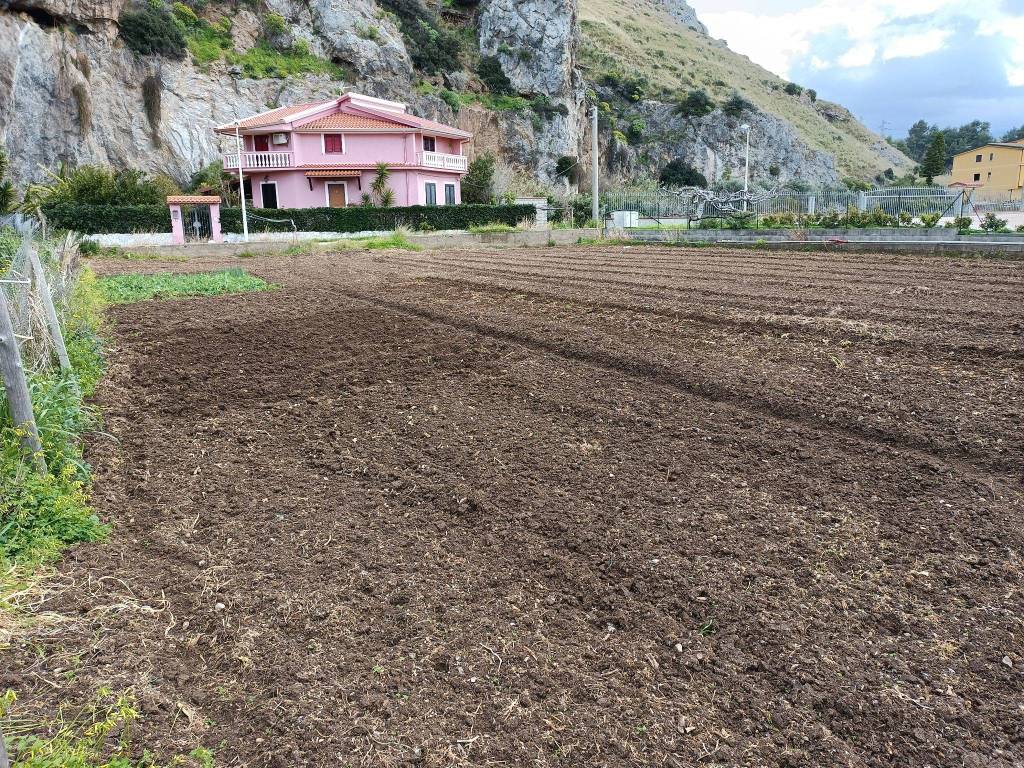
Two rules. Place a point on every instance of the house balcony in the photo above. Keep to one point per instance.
(444, 162)
(257, 161)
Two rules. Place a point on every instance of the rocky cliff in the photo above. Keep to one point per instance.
(72, 91)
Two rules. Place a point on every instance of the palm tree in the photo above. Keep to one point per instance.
(380, 187)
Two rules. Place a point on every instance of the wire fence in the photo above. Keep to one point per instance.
(894, 201)
(37, 277)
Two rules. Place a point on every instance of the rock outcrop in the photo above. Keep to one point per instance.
(535, 41)
(685, 14)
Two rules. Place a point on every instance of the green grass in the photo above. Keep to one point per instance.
(98, 734)
(128, 289)
(486, 229)
(41, 514)
(396, 241)
(263, 61)
(114, 253)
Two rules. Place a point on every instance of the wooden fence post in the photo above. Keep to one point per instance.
(4, 761)
(15, 385)
(43, 286)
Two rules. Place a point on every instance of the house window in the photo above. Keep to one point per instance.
(977, 177)
(449, 194)
(991, 156)
(990, 175)
(334, 144)
(977, 159)
(429, 144)
(431, 194)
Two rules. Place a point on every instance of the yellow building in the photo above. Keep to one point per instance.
(998, 167)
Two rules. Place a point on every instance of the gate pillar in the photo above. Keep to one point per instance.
(212, 202)
(215, 233)
(177, 228)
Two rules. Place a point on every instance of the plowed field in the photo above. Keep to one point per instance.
(596, 506)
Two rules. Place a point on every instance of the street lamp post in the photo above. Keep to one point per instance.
(241, 179)
(746, 166)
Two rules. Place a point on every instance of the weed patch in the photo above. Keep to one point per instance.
(128, 289)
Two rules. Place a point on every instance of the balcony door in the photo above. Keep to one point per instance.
(261, 143)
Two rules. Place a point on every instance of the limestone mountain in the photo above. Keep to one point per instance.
(131, 84)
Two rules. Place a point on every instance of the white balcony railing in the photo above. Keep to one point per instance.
(443, 161)
(258, 160)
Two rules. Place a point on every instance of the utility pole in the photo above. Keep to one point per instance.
(746, 167)
(241, 179)
(595, 205)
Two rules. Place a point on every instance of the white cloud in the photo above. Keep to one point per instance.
(920, 44)
(777, 39)
(859, 56)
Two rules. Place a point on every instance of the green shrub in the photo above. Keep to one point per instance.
(992, 223)
(152, 31)
(451, 98)
(99, 185)
(478, 183)
(679, 173)
(963, 223)
(736, 105)
(793, 89)
(431, 45)
(929, 220)
(101, 219)
(696, 104)
(372, 219)
(493, 76)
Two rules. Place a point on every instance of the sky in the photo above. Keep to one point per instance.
(890, 62)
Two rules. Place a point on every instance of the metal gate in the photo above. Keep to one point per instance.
(195, 220)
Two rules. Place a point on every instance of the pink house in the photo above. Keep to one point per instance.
(326, 153)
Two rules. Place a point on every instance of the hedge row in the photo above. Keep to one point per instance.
(101, 219)
(364, 219)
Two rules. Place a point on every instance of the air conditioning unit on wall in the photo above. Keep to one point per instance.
(279, 138)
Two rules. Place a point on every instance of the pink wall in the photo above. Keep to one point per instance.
(293, 188)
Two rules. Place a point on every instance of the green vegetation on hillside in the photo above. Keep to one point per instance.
(667, 61)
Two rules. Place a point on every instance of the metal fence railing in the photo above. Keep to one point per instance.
(894, 201)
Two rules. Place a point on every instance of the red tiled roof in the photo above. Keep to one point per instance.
(193, 199)
(348, 122)
(433, 125)
(274, 116)
(333, 173)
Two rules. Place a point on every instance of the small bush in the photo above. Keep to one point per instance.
(992, 223)
(263, 62)
(679, 173)
(962, 223)
(493, 76)
(152, 31)
(736, 105)
(696, 104)
(793, 89)
(929, 220)
(103, 219)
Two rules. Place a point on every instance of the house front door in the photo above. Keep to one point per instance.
(337, 195)
(261, 143)
(269, 191)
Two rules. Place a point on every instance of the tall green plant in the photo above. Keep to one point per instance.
(382, 192)
(478, 183)
(8, 197)
(935, 159)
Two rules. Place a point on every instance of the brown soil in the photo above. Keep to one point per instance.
(578, 507)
